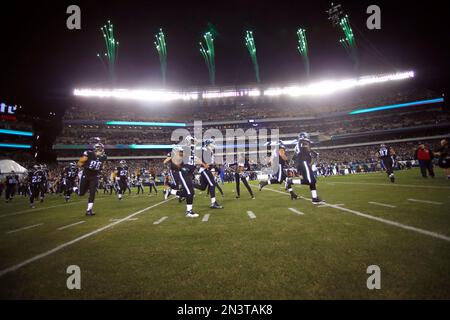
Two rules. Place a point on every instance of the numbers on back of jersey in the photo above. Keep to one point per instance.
(36, 179)
(95, 165)
(384, 152)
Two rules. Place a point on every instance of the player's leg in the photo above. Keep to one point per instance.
(121, 189)
(92, 187)
(245, 182)
(430, 168)
(423, 169)
(237, 178)
(212, 189)
(219, 188)
(188, 193)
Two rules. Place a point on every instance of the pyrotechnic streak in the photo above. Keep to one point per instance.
(161, 47)
(303, 49)
(208, 54)
(251, 47)
(112, 48)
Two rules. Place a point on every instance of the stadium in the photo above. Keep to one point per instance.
(326, 185)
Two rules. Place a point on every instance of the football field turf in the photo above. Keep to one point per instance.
(267, 248)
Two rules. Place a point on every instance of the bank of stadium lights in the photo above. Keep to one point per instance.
(318, 88)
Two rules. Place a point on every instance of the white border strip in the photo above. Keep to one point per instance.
(425, 201)
(66, 244)
(251, 215)
(296, 211)
(382, 204)
(24, 228)
(389, 222)
(71, 225)
(205, 218)
(160, 220)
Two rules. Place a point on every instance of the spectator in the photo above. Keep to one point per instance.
(425, 157)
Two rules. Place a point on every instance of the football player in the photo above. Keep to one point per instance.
(68, 180)
(206, 176)
(11, 184)
(183, 168)
(387, 156)
(36, 177)
(240, 174)
(92, 163)
(152, 183)
(121, 176)
(303, 160)
(280, 176)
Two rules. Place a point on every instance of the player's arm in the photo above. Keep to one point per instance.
(82, 160)
(167, 160)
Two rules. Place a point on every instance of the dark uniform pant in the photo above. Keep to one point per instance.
(187, 186)
(89, 182)
(240, 177)
(426, 165)
(10, 191)
(308, 178)
(207, 181)
(34, 189)
(388, 164)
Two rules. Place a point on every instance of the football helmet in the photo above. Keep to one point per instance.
(99, 148)
(123, 163)
(304, 136)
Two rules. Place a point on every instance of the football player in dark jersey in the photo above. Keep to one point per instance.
(182, 168)
(152, 182)
(206, 176)
(240, 174)
(121, 176)
(303, 160)
(387, 156)
(69, 176)
(36, 177)
(11, 184)
(280, 176)
(92, 163)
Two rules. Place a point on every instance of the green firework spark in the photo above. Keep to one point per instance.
(303, 48)
(208, 54)
(112, 49)
(251, 47)
(161, 47)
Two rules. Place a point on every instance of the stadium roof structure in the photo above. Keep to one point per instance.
(319, 88)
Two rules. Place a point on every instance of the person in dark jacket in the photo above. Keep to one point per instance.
(425, 157)
(444, 157)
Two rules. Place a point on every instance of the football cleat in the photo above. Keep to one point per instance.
(191, 214)
(392, 178)
(317, 201)
(262, 184)
(237, 197)
(167, 194)
(215, 205)
(293, 196)
(90, 213)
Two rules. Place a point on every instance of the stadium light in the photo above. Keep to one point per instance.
(15, 146)
(318, 88)
(16, 133)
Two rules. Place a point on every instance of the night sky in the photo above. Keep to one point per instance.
(41, 60)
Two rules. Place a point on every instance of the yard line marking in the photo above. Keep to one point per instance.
(24, 228)
(131, 219)
(160, 220)
(38, 209)
(205, 217)
(295, 211)
(389, 222)
(66, 244)
(71, 225)
(390, 184)
(424, 201)
(382, 204)
(50, 207)
(251, 215)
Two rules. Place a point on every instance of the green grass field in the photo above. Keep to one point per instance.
(320, 254)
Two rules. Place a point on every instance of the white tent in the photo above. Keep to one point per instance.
(7, 166)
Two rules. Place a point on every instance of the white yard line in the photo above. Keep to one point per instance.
(389, 222)
(205, 217)
(251, 215)
(296, 211)
(382, 204)
(160, 220)
(425, 201)
(24, 228)
(389, 184)
(71, 225)
(131, 219)
(66, 244)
